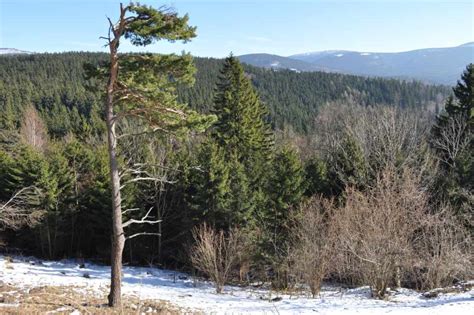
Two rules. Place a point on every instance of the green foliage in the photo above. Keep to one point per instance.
(149, 25)
(233, 177)
(241, 125)
(286, 184)
(56, 85)
(285, 190)
(348, 166)
(221, 194)
(317, 177)
(74, 193)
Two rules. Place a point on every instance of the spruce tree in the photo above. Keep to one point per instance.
(242, 127)
(243, 131)
(285, 190)
(210, 185)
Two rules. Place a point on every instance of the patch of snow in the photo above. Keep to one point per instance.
(339, 55)
(180, 289)
(12, 51)
(275, 64)
(365, 54)
(9, 305)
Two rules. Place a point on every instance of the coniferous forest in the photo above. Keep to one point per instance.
(275, 171)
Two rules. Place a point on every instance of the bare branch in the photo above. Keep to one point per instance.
(18, 211)
(150, 179)
(142, 220)
(140, 234)
(130, 210)
(452, 140)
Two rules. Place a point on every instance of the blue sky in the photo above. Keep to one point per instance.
(271, 26)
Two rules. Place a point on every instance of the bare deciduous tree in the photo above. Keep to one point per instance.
(33, 130)
(216, 253)
(386, 136)
(18, 210)
(453, 139)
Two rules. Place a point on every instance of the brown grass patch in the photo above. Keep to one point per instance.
(67, 299)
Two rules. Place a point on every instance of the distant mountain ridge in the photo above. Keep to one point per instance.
(433, 65)
(278, 62)
(429, 65)
(13, 51)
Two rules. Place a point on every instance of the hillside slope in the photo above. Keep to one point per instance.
(55, 84)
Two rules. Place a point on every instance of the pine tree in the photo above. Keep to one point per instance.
(141, 87)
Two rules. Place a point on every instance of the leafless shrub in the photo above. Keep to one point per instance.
(216, 253)
(388, 234)
(375, 228)
(18, 211)
(444, 252)
(313, 242)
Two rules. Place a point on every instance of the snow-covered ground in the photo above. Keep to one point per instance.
(181, 290)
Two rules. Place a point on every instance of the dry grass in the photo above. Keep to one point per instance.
(67, 299)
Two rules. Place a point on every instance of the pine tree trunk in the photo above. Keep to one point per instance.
(118, 238)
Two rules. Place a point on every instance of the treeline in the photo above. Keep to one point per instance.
(375, 195)
(55, 85)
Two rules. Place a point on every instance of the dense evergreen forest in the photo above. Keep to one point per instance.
(280, 154)
(55, 85)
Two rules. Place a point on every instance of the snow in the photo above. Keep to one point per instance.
(365, 54)
(339, 55)
(12, 51)
(180, 289)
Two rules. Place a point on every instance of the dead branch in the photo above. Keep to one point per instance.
(142, 220)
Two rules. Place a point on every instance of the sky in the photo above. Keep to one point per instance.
(242, 27)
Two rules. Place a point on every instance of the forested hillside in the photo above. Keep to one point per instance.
(223, 183)
(204, 185)
(55, 85)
